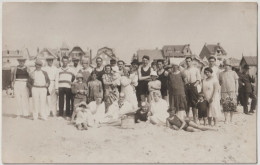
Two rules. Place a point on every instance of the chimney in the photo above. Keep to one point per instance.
(188, 45)
(218, 44)
(90, 56)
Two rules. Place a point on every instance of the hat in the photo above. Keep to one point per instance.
(38, 62)
(75, 58)
(144, 104)
(212, 57)
(146, 57)
(153, 73)
(21, 58)
(79, 75)
(112, 61)
(246, 67)
(227, 62)
(49, 58)
(167, 66)
(134, 62)
(83, 103)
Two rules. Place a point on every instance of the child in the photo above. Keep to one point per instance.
(80, 90)
(203, 108)
(97, 109)
(142, 114)
(83, 116)
(94, 87)
(154, 84)
(174, 122)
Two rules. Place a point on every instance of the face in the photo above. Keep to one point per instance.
(80, 79)
(145, 108)
(120, 65)
(108, 69)
(134, 67)
(99, 62)
(160, 65)
(50, 62)
(171, 113)
(188, 62)
(98, 101)
(200, 98)
(145, 61)
(154, 67)
(207, 73)
(65, 62)
(94, 76)
(153, 77)
(21, 62)
(85, 64)
(212, 62)
(175, 68)
(156, 97)
(38, 67)
(121, 98)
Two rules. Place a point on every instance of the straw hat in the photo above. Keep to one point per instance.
(21, 58)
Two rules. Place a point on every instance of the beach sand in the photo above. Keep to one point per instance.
(56, 141)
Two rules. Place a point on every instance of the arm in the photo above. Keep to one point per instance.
(198, 78)
(74, 88)
(56, 79)
(183, 124)
(140, 77)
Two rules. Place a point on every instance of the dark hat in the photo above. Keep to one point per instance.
(146, 57)
(246, 67)
(49, 58)
(21, 59)
(112, 61)
(135, 62)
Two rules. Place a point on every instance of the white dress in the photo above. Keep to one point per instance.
(159, 111)
(129, 91)
(98, 111)
(208, 89)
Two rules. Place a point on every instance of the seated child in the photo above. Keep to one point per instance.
(84, 118)
(174, 122)
(142, 114)
(203, 108)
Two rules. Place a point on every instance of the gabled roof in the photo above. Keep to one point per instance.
(213, 48)
(64, 46)
(152, 53)
(45, 52)
(250, 60)
(77, 49)
(104, 50)
(177, 50)
(234, 62)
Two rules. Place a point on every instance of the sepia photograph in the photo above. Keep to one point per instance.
(129, 82)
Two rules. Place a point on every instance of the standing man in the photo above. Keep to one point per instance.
(19, 78)
(52, 99)
(113, 64)
(99, 69)
(85, 70)
(38, 84)
(66, 77)
(246, 90)
(121, 66)
(163, 77)
(192, 80)
(76, 65)
(212, 64)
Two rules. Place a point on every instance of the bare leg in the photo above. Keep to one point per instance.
(209, 119)
(191, 129)
(204, 119)
(225, 114)
(195, 114)
(215, 121)
(153, 120)
(202, 128)
(231, 116)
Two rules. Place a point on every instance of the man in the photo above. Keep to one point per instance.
(19, 78)
(66, 77)
(192, 80)
(212, 65)
(76, 65)
(52, 99)
(38, 84)
(246, 89)
(113, 64)
(85, 70)
(163, 77)
(99, 69)
(121, 66)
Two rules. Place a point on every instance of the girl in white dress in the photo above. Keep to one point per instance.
(210, 87)
(158, 109)
(97, 109)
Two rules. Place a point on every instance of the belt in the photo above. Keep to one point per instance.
(23, 80)
(39, 86)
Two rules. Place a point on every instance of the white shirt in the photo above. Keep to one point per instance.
(192, 74)
(39, 78)
(76, 69)
(53, 74)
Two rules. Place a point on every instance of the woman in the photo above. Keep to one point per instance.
(176, 123)
(19, 78)
(97, 109)
(228, 80)
(210, 88)
(158, 110)
(110, 87)
(127, 87)
(177, 97)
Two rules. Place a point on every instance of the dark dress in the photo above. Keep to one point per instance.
(203, 109)
(177, 98)
(22, 73)
(143, 84)
(140, 116)
(164, 84)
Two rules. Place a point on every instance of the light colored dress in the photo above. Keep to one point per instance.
(112, 113)
(159, 111)
(208, 89)
(154, 84)
(84, 116)
(129, 91)
(98, 111)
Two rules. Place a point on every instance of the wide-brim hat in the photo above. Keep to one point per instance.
(38, 62)
(79, 75)
(50, 58)
(21, 59)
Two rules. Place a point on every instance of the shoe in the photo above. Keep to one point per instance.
(251, 112)
(60, 118)
(248, 113)
(68, 118)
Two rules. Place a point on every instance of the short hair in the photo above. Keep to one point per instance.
(120, 61)
(212, 57)
(162, 61)
(99, 58)
(208, 69)
(188, 58)
(93, 72)
(108, 65)
(157, 93)
(153, 63)
(146, 57)
(201, 94)
(112, 61)
(65, 57)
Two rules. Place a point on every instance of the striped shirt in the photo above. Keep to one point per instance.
(66, 77)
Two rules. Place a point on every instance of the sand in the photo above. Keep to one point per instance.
(56, 141)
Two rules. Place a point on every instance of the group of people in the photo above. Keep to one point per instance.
(161, 94)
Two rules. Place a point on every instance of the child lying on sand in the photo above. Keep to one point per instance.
(174, 122)
(84, 118)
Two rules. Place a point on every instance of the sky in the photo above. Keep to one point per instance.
(127, 27)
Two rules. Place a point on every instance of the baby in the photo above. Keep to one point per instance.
(84, 118)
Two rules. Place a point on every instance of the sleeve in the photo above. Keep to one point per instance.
(235, 76)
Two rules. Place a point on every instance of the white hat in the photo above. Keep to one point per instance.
(115, 69)
(153, 73)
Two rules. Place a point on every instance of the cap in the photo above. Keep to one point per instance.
(79, 75)
(21, 59)
(38, 62)
(146, 57)
(153, 73)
